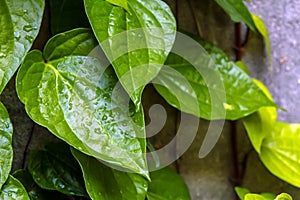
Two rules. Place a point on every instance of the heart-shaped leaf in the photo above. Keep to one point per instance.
(80, 102)
(20, 23)
(13, 190)
(56, 169)
(238, 12)
(167, 184)
(212, 89)
(105, 183)
(6, 151)
(136, 40)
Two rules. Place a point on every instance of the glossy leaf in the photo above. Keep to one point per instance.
(6, 151)
(238, 12)
(56, 170)
(262, 29)
(137, 41)
(67, 15)
(241, 96)
(105, 183)
(166, 184)
(260, 124)
(13, 190)
(121, 3)
(80, 102)
(34, 191)
(280, 152)
(20, 23)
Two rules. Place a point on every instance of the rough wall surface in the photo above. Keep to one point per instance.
(212, 178)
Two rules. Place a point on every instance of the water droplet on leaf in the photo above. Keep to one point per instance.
(28, 28)
(29, 38)
(17, 35)
(2, 55)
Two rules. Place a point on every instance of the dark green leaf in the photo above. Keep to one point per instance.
(67, 15)
(136, 42)
(79, 101)
(105, 183)
(261, 27)
(20, 23)
(165, 185)
(34, 191)
(238, 12)
(6, 152)
(193, 89)
(59, 172)
(13, 190)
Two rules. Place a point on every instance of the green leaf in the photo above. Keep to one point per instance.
(121, 3)
(67, 15)
(254, 197)
(262, 29)
(105, 183)
(280, 152)
(243, 67)
(6, 151)
(137, 42)
(56, 170)
(13, 190)
(79, 101)
(268, 196)
(166, 184)
(238, 12)
(260, 124)
(34, 191)
(284, 196)
(20, 22)
(185, 88)
(241, 192)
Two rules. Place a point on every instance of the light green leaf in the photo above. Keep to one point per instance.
(260, 124)
(137, 42)
(243, 67)
(280, 152)
(34, 191)
(268, 196)
(254, 197)
(241, 192)
(194, 90)
(166, 184)
(67, 15)
(262, 29)
(56, 169)
(80, 102)
(284, 196)
(13, 190)
(6, 151)
(121, 3)
(20, 23)
(238, 12)
(105, 183)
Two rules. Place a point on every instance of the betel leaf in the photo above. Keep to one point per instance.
(260, 123)
(13, 190)
(56, 170)
(280, 152)
(6, 151)
(262, 29)
(67, 15)
(137, 42)
(33, 190)
(195, 87)
(80, 102)
(167, 184)
(105, 183)
(238, 12)
(19, 25)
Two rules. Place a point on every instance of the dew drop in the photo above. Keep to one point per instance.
(17, 35)
(29, 38)
(104, 117)
(2, 55)
(25, 11)
(28, 28)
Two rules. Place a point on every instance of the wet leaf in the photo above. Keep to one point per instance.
(137, 41)
(80, 102)
(20, 23)
(6, 151)
(105, 183)
(13, 190)
(166, 184)
(216, 90)
(238, 12)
